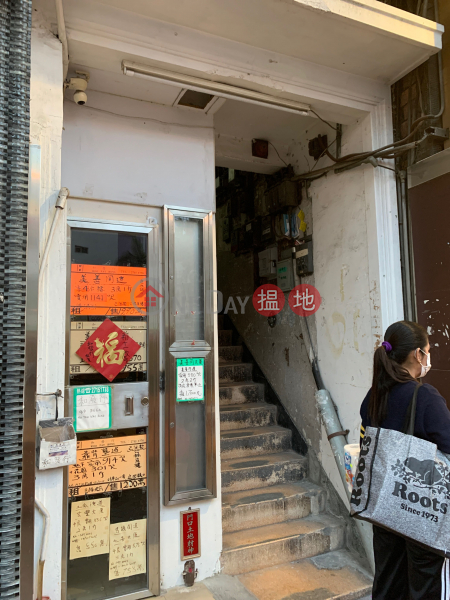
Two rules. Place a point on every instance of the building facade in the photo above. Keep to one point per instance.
(141, 109)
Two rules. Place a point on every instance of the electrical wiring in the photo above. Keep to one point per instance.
(357, 160)
(278, 154)
(323, 120)
(324, 152)
(150, 120)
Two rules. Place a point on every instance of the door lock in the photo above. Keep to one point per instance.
(144, 401)
(129, 405)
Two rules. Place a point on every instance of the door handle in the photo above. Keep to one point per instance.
(129, 405)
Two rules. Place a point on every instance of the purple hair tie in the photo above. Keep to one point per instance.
(387, 346)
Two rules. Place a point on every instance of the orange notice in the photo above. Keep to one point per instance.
(107, 290)
(108, 465)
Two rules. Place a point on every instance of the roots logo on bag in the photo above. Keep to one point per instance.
(361, 475)
(428, 475)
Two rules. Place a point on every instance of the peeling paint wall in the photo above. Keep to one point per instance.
(339, 212)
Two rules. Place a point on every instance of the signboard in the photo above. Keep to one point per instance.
(92, 408)
(128, 549)
(190, 534)
(108, 349)
(108, 465)
(89, 527)
(107, 290)
(190, 379)
(80, 331)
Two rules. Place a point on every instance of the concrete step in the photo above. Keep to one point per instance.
(237, 371)
(230, 353)
(225, 337)
(240, 393)
(269, 505)
(254, 441)
(246, 416)
(331, 576)
(252, 549)
(262, 471)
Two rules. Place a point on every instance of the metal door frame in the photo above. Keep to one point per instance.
(150, 226)
(203, 349)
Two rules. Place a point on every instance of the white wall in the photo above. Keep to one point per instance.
(46, 128)
(357, 271)
(166, 157)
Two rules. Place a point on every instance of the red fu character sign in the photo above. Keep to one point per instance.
(268, 300)
(304, 300)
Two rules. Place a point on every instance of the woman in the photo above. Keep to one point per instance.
(404, 570)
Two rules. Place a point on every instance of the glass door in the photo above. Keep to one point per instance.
(112, 519)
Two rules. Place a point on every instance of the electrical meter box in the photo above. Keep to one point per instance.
(267, 262)
(304, 259)
(285, 275)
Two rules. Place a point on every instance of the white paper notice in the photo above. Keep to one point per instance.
(92, 408)
(57, 454)
(190, 379)
(89, 528)
(128, 549)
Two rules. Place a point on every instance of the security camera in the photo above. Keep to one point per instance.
(80, 97)
(79, 84)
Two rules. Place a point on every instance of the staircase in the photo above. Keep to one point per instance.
(276, 530)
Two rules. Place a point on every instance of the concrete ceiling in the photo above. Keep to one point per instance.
(236, 123)
(353, 43)
(363, 37)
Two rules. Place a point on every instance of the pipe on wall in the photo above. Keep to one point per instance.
(43, 552)
(59, 206)
(62, 36)
(333, 425)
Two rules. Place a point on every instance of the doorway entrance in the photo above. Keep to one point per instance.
(114, 299)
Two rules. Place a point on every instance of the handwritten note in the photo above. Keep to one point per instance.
(107, 290)
(109, 464)
(190, 379)
(89, 528)
(92, 408)
(128, 549)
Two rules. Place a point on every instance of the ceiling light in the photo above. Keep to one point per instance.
(215, 88)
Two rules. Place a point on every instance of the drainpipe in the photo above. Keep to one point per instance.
(337, 441)
(59, 206)
(332, 424)
(405, 247)
(62, 37)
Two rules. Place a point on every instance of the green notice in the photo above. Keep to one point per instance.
(190, 379)
(92, 408)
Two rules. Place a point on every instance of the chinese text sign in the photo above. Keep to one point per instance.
(92, 408)
(89, 528)
(108, 465)
(128, 549)
(190, 534)
(190, 379)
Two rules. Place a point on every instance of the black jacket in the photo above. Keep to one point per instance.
(432, 415)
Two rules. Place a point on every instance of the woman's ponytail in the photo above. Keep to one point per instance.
(400, 339)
